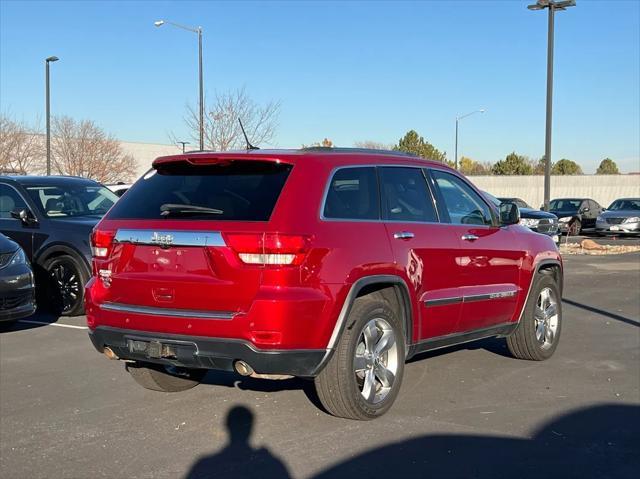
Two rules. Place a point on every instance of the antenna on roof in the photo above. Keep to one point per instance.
(246, 138)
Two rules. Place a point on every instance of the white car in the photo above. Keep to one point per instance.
(119, 188)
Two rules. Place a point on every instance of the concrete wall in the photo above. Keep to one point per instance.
(602, 188)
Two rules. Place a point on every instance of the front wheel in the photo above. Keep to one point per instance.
(538, 333)
(575, 228)
(158, 377)
(66, 278)
(363, 377)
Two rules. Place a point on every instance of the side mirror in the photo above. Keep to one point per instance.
(24, 215)
(509, 214)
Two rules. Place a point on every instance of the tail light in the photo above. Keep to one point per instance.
(101, 242)
(269, 248)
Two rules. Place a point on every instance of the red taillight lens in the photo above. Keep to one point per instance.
(101, 242)
(268, 248)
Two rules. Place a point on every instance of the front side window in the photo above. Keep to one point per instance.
(405, 196)
(72, 200)
(353, 194)
(462, 203)
(10, 200)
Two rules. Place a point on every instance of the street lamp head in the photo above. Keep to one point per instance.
(159, 23)
(51, 59)
(557, 5)
(482, 110)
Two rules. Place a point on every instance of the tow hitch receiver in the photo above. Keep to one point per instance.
(152, 349)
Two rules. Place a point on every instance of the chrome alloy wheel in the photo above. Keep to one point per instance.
(546, 317)
(376, 360)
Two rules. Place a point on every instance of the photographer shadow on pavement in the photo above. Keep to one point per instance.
(238, 459)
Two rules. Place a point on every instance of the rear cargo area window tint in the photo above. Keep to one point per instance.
(353, 194)
(234, 191)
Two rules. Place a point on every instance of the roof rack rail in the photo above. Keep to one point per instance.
(373, 151)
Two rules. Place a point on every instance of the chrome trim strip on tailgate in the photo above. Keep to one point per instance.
(175, 313)
(167, 238)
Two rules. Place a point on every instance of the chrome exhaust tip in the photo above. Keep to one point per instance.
(108, 352)
(243, 369)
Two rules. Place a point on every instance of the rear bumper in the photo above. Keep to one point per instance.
(209, 353)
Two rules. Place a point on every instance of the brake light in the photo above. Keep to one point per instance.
(101, 242)
(268, 248)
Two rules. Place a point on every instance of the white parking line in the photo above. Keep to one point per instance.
(52, 324)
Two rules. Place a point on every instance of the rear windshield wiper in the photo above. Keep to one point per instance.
(181, 209)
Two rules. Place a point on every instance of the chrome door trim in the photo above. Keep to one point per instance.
(167, 238)
(470, 298)
(174, 313)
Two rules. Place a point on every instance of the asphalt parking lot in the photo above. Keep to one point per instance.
(468, 411)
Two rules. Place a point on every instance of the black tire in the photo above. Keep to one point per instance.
(338, 385)
(525, 342)
(65, 278)
(166, 379)
(575, 228)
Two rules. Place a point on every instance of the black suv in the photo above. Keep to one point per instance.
(536, 220)
(51, 217)
(575, 214)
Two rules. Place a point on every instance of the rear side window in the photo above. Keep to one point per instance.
(232, 191)
(353, 194)
(405, 196)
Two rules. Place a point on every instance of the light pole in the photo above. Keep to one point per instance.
(458, 118)
(182, 143)
(197, 30)
(48, 113)
(552, 5)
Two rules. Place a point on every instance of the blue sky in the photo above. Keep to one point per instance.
(348, 71)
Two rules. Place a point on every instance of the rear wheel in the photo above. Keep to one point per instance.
(158, 377)
(538, 333)
(363, 377)
(65, 278)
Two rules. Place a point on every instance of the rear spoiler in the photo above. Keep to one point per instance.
(213, 159)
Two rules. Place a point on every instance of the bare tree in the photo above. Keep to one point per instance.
(373, 145)
(325, 143)
(20, 147)
(222, 131)
(81, 148)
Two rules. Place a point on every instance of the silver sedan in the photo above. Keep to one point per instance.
(622, 217)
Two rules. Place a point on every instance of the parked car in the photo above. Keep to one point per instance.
(119, 188)
(17, 287)
(324, 263)
(536, 220)
(520, 203)
(51, 217)
(575, 214)
(621, 217)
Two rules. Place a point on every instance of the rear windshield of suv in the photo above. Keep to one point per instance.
(233, 191)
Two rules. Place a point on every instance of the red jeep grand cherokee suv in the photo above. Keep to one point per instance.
(332, 264)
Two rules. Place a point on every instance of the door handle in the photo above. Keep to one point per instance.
(469, 237)
(404, 235)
